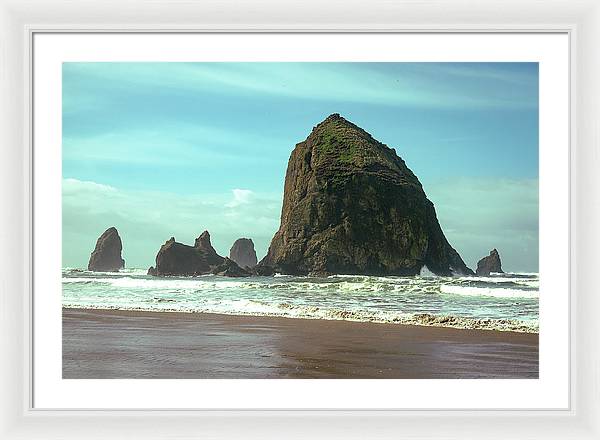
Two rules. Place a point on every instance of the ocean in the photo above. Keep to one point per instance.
(508, 302)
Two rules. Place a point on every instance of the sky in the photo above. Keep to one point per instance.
(173, 149)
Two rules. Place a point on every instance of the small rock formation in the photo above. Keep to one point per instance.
(243, 253)
(352, 206)
(489, 264)
(263, 270)
(230, 269)
(106, 256)
(178, 259)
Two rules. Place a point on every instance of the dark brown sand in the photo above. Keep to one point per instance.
(123, 344)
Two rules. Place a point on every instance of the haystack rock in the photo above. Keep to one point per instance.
(178, 259)
(352, 206)
(106, 256)
(489, 264)
(243, 253)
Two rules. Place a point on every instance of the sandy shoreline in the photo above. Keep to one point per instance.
(132, 344)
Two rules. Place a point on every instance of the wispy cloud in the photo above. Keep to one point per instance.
(497, 72)
(341, 82)
(170, 144)
(240, 197)
(77, 187)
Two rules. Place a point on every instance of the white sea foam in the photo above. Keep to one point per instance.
(286, 310)
(497, 292)
(159, 283)
(529, 274)
(344, 284)
(498, 280)
(508, 302)
(121, 272)
(425, 272)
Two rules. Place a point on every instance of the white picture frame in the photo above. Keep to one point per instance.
(19, 21)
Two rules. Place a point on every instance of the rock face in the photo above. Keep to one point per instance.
(352, 206)
(178, 259)
(106, 256)
(489, 264)
(243, 253)
(229, 268)
(263, 270)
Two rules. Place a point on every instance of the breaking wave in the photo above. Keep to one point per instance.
(503, 302)
(312, 312)
(487, 291)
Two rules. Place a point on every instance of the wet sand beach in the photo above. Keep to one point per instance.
(131, 344)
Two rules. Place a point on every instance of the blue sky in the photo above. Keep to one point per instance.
(162, 149)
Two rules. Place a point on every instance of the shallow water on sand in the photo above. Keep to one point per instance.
(501, 301)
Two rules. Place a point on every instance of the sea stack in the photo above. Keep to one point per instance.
(352, 206)
(106, 256)
(243, 253)
(489, 264)
(178, 259)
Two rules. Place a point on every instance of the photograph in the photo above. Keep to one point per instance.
(300, 220)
